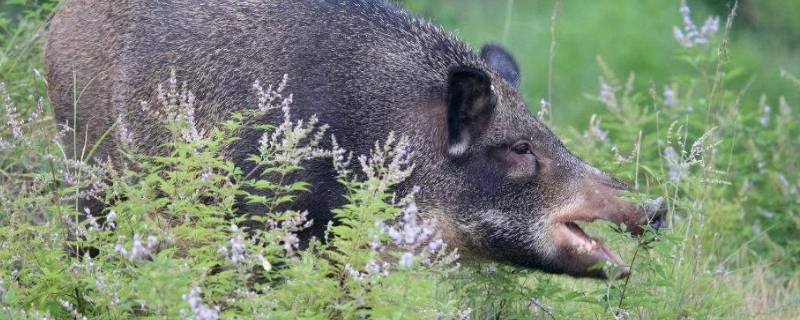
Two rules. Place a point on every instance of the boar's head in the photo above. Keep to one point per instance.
(507, 187)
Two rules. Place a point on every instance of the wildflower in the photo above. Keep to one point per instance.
(124, 135)
(238, 253)
(341, 158)
(293, 225)
(71, 223)
(622, 314)
(372, 268)
(206, 175)
(764, 117)
(690, 35)
(699, 146)
(267, 98)
(787, 187)
(375, 242)
(377, 269)
(677, 170)
(670, 100)
(93, 225)
(238, 249)
(2, 291)
(406, 260)
(721, 270)
(606, 91)
(292, 141)
(464, 314)
(12, 117)
(594, 131)
(139, 250)
(435, 245)
(389, 163)
(71, 309)
(410, 230)
(177, 109)
(607, 95)
(110, 219)
(784, 181)
(544, 109)
(264, 262)
(200, 310)
(355, 274)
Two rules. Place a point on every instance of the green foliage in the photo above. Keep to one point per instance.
(171, 245)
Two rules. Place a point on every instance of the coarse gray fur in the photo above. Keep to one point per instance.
(365, 68)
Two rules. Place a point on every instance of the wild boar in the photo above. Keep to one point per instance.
(501, 185)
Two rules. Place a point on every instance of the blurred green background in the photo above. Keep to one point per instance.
(630, 35)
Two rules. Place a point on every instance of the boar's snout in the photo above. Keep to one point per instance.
(608, 204)
(599, 198)
(656, 212)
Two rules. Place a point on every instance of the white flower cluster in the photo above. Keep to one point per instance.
(680, 164)
(14, 134)
(238, 254)
(371, 269)
(670, 98)
(292, 226)
(90, 177)
(177, 107)
(89, 267)
(268, 99)
(94, 225)
(139, 250)
(464, 314)
(389, 163)
(72, 310)
(292, 141)
(238, 250)
(765, 112)
(415, 234)
(544, 110)
(691, 35)
(595, 131)
(124, 134)
(607, 93)
(200, 311)
(12, 117)
(677, 168)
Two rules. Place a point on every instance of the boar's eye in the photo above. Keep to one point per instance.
(522, 148)
(522, 162)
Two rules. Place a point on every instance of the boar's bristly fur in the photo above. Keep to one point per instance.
(499, 183)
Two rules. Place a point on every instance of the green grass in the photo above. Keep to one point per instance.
(726, 168)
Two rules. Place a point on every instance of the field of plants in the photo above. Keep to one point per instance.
(694, 103)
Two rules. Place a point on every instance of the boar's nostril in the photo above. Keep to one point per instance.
(656, 212)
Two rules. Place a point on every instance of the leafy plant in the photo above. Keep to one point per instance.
(171, 243)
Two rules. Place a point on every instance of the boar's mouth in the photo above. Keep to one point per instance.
(585, 253)
(588, 251)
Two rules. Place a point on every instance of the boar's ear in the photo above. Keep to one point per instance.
(502, 62)
(470, 103)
